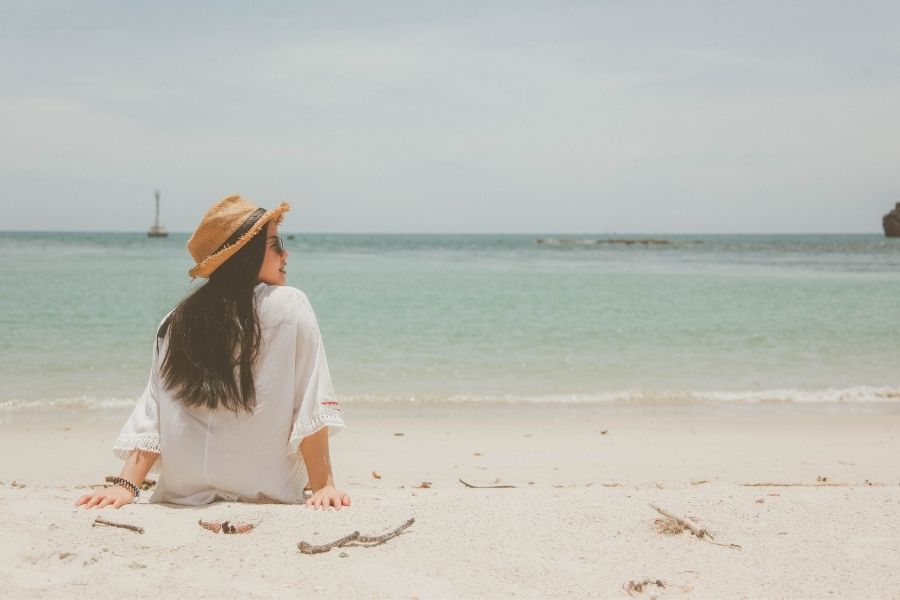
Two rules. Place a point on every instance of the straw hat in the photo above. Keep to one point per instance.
(226, 227)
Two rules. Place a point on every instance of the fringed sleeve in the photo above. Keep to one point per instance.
(315, 405)
(141, 431)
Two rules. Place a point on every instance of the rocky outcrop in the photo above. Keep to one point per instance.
(891, 222)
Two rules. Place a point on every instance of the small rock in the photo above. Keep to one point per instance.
(760, 500)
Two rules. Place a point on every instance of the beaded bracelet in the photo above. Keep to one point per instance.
(127, 485)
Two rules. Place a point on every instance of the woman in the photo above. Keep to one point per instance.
(239, 405)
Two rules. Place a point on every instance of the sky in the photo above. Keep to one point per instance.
(464, 117)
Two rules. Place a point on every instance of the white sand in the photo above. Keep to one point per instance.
(561, 531)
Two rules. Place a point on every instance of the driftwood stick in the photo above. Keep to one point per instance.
(818, 484)
(380, 539)
(363, 540)
(135, 528)
(307, 548)
(695, 529)
(483, 486)
(698, 531)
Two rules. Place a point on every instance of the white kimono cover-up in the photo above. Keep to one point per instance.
(205, 453)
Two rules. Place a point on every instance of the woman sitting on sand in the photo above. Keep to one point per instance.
(239, 388)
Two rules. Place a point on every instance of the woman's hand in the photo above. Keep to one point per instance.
(328, 496)
(115, 496)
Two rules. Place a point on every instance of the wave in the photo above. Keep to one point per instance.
(859, 394)
(75, 403)
(852, 395)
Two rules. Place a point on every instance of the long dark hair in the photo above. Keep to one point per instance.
(214, 335)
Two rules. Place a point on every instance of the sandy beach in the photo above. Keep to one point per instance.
(577, 523)
(604, 293)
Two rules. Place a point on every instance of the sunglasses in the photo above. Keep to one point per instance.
(277, 243)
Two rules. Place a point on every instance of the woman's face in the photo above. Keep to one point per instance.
(273, 269)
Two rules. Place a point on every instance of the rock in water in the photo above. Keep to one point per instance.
(891, 222)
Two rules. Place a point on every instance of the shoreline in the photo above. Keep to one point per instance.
(117, 410)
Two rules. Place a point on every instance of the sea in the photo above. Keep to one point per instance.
(697, 321)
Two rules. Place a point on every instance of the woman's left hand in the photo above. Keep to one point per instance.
(328, 496)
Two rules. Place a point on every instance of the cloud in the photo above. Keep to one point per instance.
(526, 121)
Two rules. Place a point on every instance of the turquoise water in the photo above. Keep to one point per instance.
(742, 318)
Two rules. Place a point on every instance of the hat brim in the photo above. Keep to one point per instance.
(212, 262)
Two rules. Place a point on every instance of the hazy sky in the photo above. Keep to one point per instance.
(625, 116)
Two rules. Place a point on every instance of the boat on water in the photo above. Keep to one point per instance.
(891, 222)
(157, 230)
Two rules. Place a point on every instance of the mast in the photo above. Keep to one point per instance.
(156, 220)
(157, 230)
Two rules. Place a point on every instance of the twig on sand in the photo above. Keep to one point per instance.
(867, 483)
(669, 526)
(698, 531)
(363, 540)
(374, 540)
(227, 526)
(638, 586)
(307, 548)
(483, 486)
(684, 522)
(100, 521)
